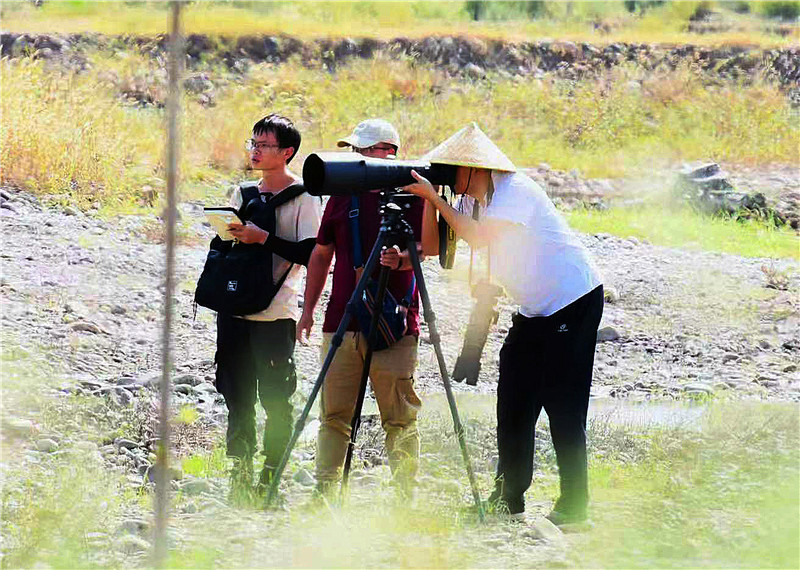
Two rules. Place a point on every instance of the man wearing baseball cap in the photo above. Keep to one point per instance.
(547, 358)
(392, 369)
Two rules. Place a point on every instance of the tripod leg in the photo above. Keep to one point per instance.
(383, 280)
(336, 342)
(430, 318)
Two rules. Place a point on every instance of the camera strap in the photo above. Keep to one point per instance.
(358, 259)
(476, 214)
(355, 232)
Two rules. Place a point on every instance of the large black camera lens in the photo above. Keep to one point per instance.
(483, 316)
(346, 173)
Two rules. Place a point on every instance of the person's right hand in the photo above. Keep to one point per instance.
(305, 324)
(422, 187)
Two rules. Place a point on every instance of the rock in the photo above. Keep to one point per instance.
(82, 326)
(19, 427)
(790, 368)
(148, 196)
(610, 295)
(135, 481)
(189, 379)
(130, 544)
(150, 381)
(698, 387)
(71, 211)
(134, 526)
(122, 396)
(474, 71)
(729, 357)
(542, 529)
(118, 310)
(86, 446)
(767, 381)
(194, 486)
(121, 443)
(199, 83)
(303, 477)
(607, 334)
(184, 389)
(764, 344)
(143, 469)
(46, 445)
(174, 473)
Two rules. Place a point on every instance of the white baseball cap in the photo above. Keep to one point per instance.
(371, 132)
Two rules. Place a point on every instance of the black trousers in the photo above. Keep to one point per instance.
(254, 360)
(546, 362)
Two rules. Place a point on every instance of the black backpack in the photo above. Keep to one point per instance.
(237, 277)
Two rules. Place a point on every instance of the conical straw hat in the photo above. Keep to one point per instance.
(470, 147)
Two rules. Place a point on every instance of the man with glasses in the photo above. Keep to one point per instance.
(392, 369)
(254, 352)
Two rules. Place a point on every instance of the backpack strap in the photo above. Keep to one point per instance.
(249, 191)
(406, 301)
(286, 195)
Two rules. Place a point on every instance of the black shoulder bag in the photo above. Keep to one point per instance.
(237, 277)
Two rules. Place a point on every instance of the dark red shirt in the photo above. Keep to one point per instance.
(335, 229)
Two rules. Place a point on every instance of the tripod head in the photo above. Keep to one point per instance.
(393, 206)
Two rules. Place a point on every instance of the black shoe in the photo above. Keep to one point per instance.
(513, 509)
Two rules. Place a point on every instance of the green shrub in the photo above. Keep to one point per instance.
(641, 6)
(782, 10)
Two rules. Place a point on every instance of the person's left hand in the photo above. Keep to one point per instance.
(390, 257)
(422, 187)
(248, 233)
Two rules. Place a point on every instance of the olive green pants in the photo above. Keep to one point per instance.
(392, 379)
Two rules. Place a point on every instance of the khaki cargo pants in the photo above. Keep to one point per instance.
(392, 379)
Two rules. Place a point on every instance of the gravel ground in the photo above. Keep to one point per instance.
(82, 305)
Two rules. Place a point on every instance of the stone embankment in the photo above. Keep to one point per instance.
(457, 55)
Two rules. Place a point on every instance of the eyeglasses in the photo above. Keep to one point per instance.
(376, 148)
(252, 145)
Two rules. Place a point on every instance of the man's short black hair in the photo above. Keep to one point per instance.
(284, 130)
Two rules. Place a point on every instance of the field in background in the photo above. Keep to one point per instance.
(67, 132)
(596, 22)
(76, 138)
(679, 226)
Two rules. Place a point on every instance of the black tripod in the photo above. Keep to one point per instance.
(394, 229)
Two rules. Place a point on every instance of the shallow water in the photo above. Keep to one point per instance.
(619, 412)
(647, 413)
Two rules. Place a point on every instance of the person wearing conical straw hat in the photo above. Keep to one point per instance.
(547, 358)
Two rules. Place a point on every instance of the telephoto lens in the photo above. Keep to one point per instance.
(346, 173)
(483, 316)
